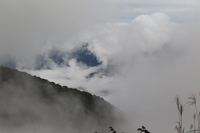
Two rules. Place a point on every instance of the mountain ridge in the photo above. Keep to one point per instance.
(31, 100)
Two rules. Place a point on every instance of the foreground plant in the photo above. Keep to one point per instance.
(112, 129)
(179, 128)
(143, 129)
(196, 117)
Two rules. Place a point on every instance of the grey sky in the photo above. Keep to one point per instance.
(150, 56)
(25, 24)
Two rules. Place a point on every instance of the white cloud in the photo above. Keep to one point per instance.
(120, 42)
(27, 25)
(155, 59)
(123, 43)
(179, 11)
(146, 38)
(158, 1)
(152, 57)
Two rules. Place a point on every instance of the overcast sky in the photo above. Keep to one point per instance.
(143, 53)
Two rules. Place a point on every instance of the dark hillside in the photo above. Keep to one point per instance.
(29, 101)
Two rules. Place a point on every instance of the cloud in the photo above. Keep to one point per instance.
(158, 1)
(27, 25)
(120, 42)
(119, 46)
(179, 11)
(152, 59)
(145, 62)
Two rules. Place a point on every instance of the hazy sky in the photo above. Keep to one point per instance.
(148, 50)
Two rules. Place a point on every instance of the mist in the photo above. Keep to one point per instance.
(30, 104)
(27, 26)
(147, 63)
(147, 52)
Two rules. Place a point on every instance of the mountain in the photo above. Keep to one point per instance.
(32, 104)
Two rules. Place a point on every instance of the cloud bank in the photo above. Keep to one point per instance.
(144, 64)
(28, 25)
(141, 65)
